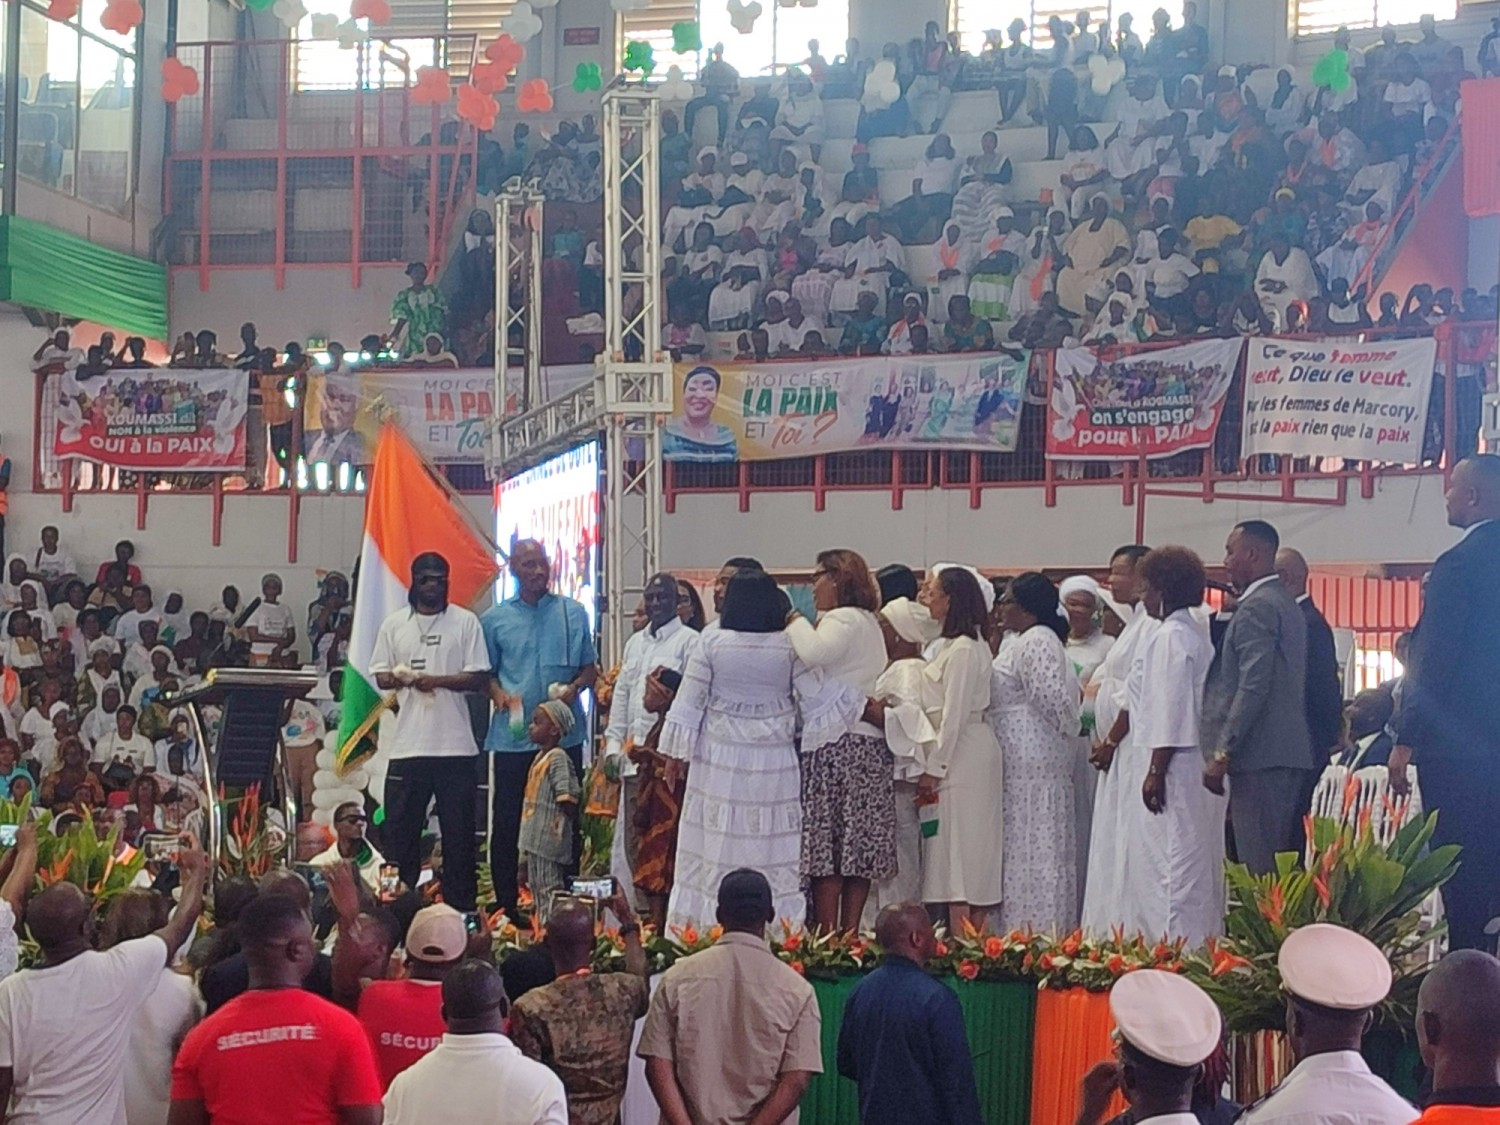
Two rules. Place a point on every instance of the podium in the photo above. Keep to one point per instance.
(245, 748)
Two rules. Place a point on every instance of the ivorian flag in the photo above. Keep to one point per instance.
(408, 511)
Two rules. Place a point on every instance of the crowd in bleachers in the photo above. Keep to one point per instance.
(1092, 187)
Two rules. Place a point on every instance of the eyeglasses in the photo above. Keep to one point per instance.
(354, 820)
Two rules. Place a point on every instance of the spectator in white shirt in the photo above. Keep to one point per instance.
(52, 564)
(789, 336)
(124, 746)
(271, 630)
(799, 119)
(127, 628)
(100, 723)
(476, 1074)
(44, 1076)
(44, 628)
(1167, 281)
(137, 662)
(57, 354)
(898, 340)
(919, 216)
(36, 723)
(1407, 99)
(1378, 181)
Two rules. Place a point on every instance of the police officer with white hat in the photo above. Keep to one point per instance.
(1333, 978)
(1167, 1027)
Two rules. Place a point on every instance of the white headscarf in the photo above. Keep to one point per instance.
(911, 620)
(1077, 583)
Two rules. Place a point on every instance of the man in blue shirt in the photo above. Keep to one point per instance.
(903, 1040)
(535, 639)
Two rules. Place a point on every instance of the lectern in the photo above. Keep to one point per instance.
(245, 747)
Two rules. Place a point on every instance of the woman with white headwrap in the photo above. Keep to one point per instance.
(1040, 262)
(1087, 645)
(1034, 712)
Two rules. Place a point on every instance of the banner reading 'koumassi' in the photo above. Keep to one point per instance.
(1361, 401)
(1153, 404)
(154, 418)
(756, 412)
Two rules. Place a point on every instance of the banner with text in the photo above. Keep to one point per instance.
(756, 412)
(154, 418)
(446, 412)
(1151, 404)
(1361, 401)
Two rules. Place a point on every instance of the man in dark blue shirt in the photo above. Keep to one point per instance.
(903, 1040)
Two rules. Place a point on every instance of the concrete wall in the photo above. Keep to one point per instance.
(315, 303)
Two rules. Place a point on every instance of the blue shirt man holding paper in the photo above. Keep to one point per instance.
(535, 639)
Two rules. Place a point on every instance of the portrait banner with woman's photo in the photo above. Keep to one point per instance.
(758, 412)
(154, 418)
(1152, 404)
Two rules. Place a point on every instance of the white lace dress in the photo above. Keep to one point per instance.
(733, 722)
(1034, 712)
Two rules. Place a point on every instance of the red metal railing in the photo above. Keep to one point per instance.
(262, 174)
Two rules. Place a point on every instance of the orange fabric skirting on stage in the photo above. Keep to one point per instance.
(1072, 1034)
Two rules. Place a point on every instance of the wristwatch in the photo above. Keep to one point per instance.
(1221, 757)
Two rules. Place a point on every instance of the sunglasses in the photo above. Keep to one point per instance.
(354, 820)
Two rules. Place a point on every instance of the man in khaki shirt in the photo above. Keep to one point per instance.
(733, 1036)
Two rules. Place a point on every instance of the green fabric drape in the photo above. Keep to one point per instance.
(46, 268)
(998, 1018)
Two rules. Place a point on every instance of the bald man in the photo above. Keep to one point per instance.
(1448, 724)
(903, 1038)
(1325, 685)
(1458, 1031)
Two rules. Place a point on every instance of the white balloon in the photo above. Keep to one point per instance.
(523, 24)
(323, 818)
(324, 26)
(358, 779)
(326, 799)
(326, 779)
(326, 759)
(742, 16)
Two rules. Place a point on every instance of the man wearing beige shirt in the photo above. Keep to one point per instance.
(713, 1042)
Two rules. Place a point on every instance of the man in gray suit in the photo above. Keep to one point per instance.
(1254, 711)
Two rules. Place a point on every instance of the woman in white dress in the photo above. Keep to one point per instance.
(961, 861)
(848, 803)
(733, 723)
(1034, 709)
(746, 269)
(1087, 646)
(1174, 830)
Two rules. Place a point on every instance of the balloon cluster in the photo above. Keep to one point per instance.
(534, 97)
(1332, 71)
(881, 87)
(686, 38)
(477, 108)
(523, 23)
(178, 80)
(639, 56)
(587, 76)
(330, 789)
(433, 87)
(122, 16)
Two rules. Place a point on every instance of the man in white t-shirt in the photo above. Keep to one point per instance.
(271, 628)
(430, 654)
(51, 563)
(1407, 99)
(47, 1073)
(127, 628)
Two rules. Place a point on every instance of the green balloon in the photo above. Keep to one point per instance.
(639, 56)
(379, 817)
(587, 76)
(1332, 71)
(686, 38)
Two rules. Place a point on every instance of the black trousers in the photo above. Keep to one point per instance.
(505, 823)
(410, 785)
(1465, 794)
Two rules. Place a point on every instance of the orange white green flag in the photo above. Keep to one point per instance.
(407, 511)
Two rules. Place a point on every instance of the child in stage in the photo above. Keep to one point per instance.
(550, 807)
(660, 784)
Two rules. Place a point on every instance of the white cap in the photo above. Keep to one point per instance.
(1005, 213)
(739, 158)
(1333, 967)
(1227, 72)
(1165, 1017)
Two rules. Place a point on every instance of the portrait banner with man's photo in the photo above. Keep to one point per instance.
(757, 412)
(1153, 404)
(154, 418)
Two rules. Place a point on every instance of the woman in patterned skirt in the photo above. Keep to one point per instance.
(848, 798)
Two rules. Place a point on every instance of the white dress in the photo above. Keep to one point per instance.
(733, 723)
(962, 862)
(1034, 708)
(1086, 656)
(1106, 867)
(1174, 860)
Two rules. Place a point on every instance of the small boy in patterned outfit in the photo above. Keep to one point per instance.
(549, 808)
